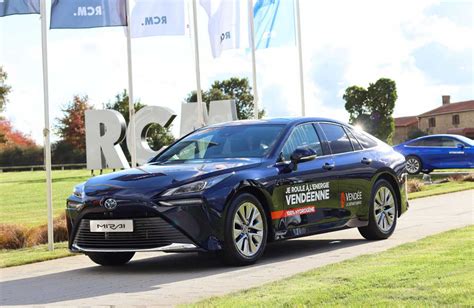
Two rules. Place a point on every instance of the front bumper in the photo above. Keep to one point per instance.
(156, 228)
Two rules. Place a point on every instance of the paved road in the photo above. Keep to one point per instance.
(170, 279)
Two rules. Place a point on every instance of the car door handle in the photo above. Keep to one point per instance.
(328, 166)
(366, 161)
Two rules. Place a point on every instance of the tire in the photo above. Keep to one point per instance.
(245, 234)
(111, 258)
(381, 213)
(414, 165)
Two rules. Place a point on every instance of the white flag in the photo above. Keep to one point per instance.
(224, 24)
(157, 17)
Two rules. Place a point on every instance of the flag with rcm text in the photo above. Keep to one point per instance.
(17, 7)
(274, 22)
(224, 24)
(75, 14)
(157, 17)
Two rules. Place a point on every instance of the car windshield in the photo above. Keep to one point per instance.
(236, 141)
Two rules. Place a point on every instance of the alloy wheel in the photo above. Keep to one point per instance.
(413, 165)
(384, 209)
(248, 229)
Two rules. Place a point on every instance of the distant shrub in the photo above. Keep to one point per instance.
(469, 178)
(415, 185)
(64, 153)
(39, 235)
(21, 156)
(415, 133)
(456, 178)
(16, 236)
(12, 236)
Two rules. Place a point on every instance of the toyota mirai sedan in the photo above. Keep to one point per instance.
(427, 153)
(233, 188)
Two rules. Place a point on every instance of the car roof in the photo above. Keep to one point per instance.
(280, 121)
(458, 137)
(440, 135)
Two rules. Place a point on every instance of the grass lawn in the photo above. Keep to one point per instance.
(438, 270)
(454, 170)
(33, 254)
(23, 201)
(23, 195)
(438, 189)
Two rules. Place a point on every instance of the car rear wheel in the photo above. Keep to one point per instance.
(245, 231)
(413, 165)
(111, 258)
(382, 212)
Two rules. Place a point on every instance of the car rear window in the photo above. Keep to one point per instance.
(365, 140)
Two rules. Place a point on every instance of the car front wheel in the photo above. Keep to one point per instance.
(383, 212)
(111, 258)
(245, 231)
(413, 165)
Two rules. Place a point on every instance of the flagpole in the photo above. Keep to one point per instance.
(197, 66)
(300, 56)
(254, 65)
(46, 130)
(131, 106)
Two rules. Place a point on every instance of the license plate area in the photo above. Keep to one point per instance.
(122, 225)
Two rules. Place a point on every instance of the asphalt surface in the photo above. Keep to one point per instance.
(170, 279)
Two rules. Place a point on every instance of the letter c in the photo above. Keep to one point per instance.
(143, 118)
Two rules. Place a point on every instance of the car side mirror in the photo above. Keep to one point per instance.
(302, 154)
(460, 146)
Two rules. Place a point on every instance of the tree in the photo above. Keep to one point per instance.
(4, 89)
(372, 108)
(233, 88)
(71, 127)
(10, 137)
(16, 148)
(156, 135)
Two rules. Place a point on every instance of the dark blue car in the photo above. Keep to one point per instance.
(232, 188)
(437, 152)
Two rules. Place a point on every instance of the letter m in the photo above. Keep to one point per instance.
(148, 20)
(82, 11)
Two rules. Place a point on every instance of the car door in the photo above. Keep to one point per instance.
(436, 154)
(354, 168)
(307, 195)
(458, 153)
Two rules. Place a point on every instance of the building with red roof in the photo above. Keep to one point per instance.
(450, 118)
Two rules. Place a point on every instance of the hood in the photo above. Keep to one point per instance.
(149, 180)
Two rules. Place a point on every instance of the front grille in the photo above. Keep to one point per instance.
(147, 233)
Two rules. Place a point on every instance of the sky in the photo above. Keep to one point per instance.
(425, 46)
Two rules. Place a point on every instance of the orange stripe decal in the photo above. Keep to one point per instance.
(293, 212)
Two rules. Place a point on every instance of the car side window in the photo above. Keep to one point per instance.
(303, 135)
(449, 142)
(337, 138)
(417, 143)
(355, 144)
(365, 141)
(433, 142)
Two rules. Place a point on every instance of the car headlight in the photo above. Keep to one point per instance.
(78, 190)
(195, 186)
